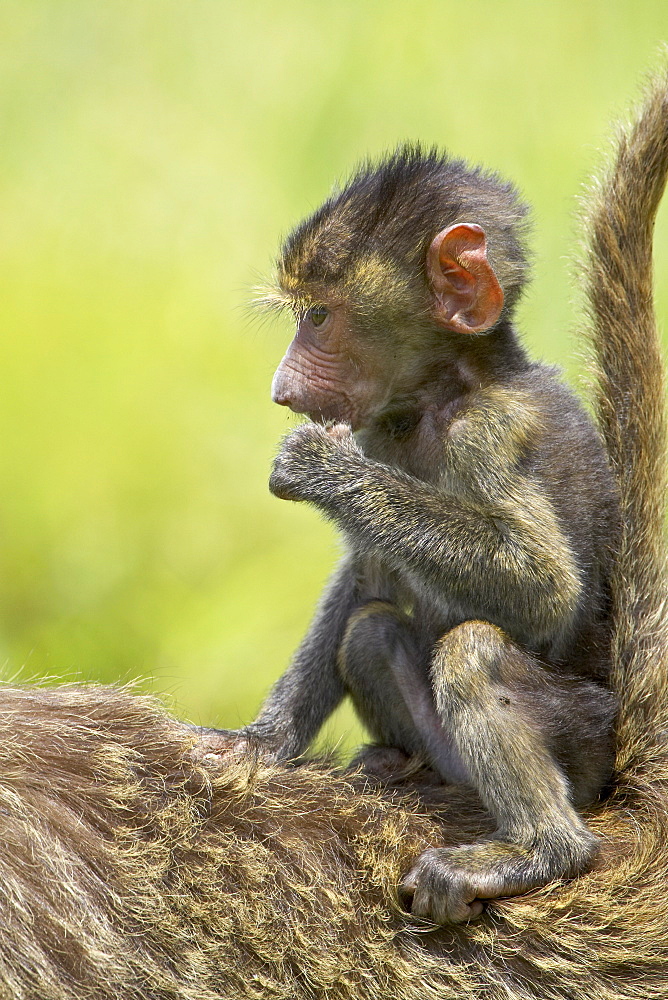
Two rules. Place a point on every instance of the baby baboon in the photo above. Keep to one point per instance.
(470, 620)
(142, 859)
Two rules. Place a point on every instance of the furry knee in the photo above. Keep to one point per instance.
(470, 656)
(372, 631)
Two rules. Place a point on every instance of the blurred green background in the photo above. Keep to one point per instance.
(152, 154)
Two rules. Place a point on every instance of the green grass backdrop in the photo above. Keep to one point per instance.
(151, 155)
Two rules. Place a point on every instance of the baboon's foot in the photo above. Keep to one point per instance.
(391, 766)
(382, 763)
(450, 884)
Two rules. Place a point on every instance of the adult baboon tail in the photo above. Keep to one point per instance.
(630, 404)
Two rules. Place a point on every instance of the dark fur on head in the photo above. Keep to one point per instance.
(388, 213)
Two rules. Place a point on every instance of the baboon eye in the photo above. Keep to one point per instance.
(318, 315)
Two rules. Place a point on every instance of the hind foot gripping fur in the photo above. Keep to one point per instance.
(451, 884)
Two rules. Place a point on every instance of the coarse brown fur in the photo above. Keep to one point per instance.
(139, 860)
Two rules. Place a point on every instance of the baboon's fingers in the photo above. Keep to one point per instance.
(441, 891)
(450, 884)
(340, 432)
(221, 745)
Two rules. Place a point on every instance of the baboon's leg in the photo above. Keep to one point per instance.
(489, 697)
(385, 671)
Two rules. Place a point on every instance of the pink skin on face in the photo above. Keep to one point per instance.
(317, 376)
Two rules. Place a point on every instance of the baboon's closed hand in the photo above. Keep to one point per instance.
(307, 453)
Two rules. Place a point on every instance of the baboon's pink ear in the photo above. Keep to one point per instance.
(467, 295)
